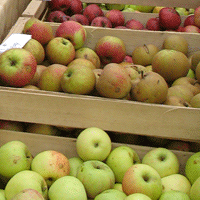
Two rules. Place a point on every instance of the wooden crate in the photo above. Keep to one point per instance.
(10, 10)
(82, 111)
(39, 9)
(38, 143)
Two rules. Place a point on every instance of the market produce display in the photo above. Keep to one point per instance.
(99, 171)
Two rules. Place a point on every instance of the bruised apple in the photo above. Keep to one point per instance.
(114, 81)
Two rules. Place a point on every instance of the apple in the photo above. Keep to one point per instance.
(72, 31)
(60, 51)
(189, 20)
(76, 7)
(111, 194)
(17, 67)
(114, 6)
(62, 5)
(51, 165)
(74, 163)
(121, 27)
(157, 9)
(197, 16)
(195, 101)
(153, 24)
(82, 61)
(176, 182)
(143, 55)
(182, 11)
(134, 24)
(67, 187)
(150, 88)
(89, 54)
(43, 129)
(39, 30)
(110, 49)
(120, 159)
(192, 167)
(176, 42)
(93, 144)
(191, 73)
(168, 60)
(176, 101)
(91, 11)
(194, 191)
(101, 21)
(57, 16)
(78, 79)
(116, 17)
(174, 195)
(128, 59)
(197, 72)
(11, 125)
(80, 18)
(114, 82)
(137, 196)
(142, 178)
(169, 18)
(15, 157)
(50, 79)
(191, 29)
(118, 186)
(31, 87)
(24, 180)
(141, 8)
(36, 49)
(194, 60)
(96, 177)
(2, 194)
(37, 75)
(28, 194)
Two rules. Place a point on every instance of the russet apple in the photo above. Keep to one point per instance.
(72, 31)
(194, 59)
(40, 31)
(114, 81)
(176, 101)
(116, 17)
(17, 67)
(197, 72)
(110, 49)
(195, 101)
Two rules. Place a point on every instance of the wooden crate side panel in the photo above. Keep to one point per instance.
(38, 143)
(83, 111)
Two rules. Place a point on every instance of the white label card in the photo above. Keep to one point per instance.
(16, 40)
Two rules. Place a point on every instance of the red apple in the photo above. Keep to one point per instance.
(153, 24)
(197, 17)
(91, 11)
(189, 20)
(80, 18)
(17, 67)
(101, 21)
(128, 59)
(134, 24)
(62, 5)
(180, 29)
(116, 17)
(110, 49)
(76, 7)
(169, 18)
(40, 31)
(72, 31)
(58, 16)
(191, 29)
(121, 27)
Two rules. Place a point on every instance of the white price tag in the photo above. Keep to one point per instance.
(16, 40)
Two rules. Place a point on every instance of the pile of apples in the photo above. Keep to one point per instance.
(151, 75)
(99, 171)
(92, 15)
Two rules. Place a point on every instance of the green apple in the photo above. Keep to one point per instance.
(114, 6)
(74, 163)
(28, 194)
(191, 73)
(137, 196)
(174, 195)
(118, 186)
(78, 79)
(82, 61)
(128, 10)
(36, 49)
(182, 11)
(176, 182)
(60, 51)
(15, 157)
(111, 194)
(51, 165)
(96, 177)
(194, 191)
(146, 9)
(24, 180)
(192, 167)
(93, 143)
(50, 78)
(142, 178)
(66, 188)
(157, 9)
(120, 159)
(2, 194)
(163, 160)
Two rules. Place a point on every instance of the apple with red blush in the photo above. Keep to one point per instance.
(101, 21)
(134, 24)
(116, 17)
(80, 18)
(191, 29)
